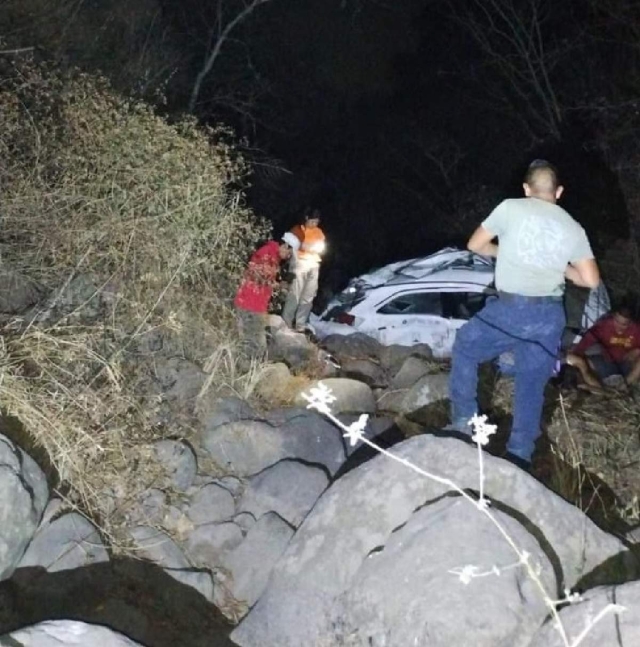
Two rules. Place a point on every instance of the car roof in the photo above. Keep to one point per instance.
(449, 265)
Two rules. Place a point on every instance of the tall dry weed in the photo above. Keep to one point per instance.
(131, 226)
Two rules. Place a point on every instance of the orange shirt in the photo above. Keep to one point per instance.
(308, 237)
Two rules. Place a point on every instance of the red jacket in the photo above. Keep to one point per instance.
(614, 346)
(259, 279)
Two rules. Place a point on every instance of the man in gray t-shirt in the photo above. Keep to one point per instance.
(540, 245)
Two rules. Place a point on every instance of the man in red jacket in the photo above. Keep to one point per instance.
(253, 296)
(617, 339)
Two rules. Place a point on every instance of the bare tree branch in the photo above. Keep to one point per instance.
(216, 47)
(19, 50)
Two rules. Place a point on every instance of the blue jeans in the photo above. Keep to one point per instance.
(531, 331)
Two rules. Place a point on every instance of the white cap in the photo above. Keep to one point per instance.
(292, 240)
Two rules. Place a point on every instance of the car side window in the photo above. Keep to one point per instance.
(417, 303)
(462, 305)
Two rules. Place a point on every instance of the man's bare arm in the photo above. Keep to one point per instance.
(480, 242)
(584, 273)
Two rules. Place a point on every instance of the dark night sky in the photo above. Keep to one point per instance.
(405, 121)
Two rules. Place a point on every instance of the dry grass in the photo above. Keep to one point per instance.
(598, 439)
(134, 229)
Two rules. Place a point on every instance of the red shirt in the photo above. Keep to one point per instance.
(615, 346)
(259, 279)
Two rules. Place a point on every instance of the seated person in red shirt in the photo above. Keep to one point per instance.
(617, 339)
(253, 296)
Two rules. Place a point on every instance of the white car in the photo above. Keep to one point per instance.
(423, 300)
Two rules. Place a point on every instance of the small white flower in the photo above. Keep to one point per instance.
(356, 429)
(482, 429)
(320, 398)
(483, 504)
(466, 573)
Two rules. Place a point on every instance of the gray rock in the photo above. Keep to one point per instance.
(292, 348)
(149, 510)
(361, 511)
(413, 368)
(426, 391)
(66, 633)
(245, 521)
(211, 504)
(157, 547)
(273, 382)
(392, 401)
(619, 629)
(274, 323)
(179, 379)
(288, 488)
(225, 410)
(364, 370)
(23, 498)
(356, 346)
(232, 484)
(54, 506)
(393, 357)
(249, 565)
(409, 593)
(70, 541)
(248, 447)
(207, 545)
(351, 396)
(17, 292)
(179, 461)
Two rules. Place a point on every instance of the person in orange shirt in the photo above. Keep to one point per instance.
(616, 338)
(306, 271)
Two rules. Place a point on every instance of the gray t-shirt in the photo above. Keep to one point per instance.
(537, 239)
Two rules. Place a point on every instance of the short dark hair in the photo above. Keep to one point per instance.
(624, 309)
(539, 167)
(313, 213)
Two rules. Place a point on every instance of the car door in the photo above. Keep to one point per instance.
(409, 318)
(458, 308)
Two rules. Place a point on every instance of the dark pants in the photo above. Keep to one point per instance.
(531, 330)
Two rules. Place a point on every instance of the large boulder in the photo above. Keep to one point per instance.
(620, 629)
(23, 498)
(289, 488)
(247, 447)
(65, 633)
(357, 517)
(70, 541)
(416, 592)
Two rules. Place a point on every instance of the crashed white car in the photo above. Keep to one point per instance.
(424, 300)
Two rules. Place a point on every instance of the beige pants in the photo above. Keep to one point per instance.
(302, 292)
